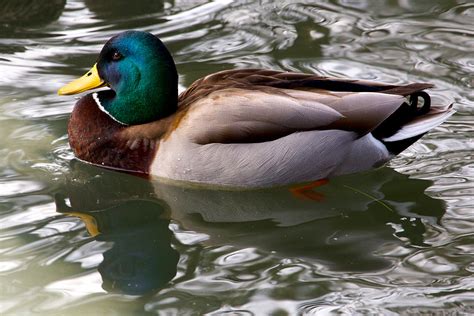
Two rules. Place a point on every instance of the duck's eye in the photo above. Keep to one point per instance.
(116, 56)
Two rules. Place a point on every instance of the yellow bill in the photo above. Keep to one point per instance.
(89, 81)
(90, 222)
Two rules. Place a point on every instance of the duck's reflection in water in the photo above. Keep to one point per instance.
(341, 225)
(124, 212)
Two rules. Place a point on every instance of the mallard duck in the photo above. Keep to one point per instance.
(241, 127)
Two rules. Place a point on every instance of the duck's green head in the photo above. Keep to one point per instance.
(141, 74)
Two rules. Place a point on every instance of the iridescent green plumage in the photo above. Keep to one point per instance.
(142, 74)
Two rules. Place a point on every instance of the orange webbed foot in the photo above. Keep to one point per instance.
(306, 192)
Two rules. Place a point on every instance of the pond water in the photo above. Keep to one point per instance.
(76, 239)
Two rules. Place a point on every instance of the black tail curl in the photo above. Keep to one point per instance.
(404, 114)
(425, 108)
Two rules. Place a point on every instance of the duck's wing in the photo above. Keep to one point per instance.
(237, 115)
(245, 106)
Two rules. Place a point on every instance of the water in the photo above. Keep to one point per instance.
(78, 240)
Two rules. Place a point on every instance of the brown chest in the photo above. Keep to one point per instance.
(96, 138)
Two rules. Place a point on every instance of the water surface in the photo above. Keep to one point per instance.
(76, 239)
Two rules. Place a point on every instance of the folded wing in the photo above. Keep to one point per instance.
(237, 115)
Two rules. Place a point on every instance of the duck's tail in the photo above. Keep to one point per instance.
(410, 122)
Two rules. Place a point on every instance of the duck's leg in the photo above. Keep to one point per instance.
(306, 192)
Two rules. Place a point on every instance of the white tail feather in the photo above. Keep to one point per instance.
(420, 126)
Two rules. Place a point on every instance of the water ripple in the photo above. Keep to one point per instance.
(406, 249)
